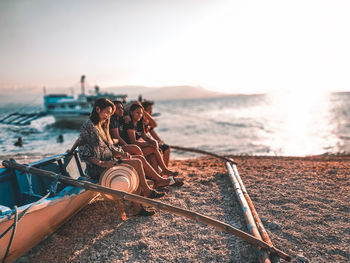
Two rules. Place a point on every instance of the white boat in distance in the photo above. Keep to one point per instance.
(68, 111)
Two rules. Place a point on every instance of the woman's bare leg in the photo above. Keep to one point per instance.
(149, 150)
(166, 156)
(149, 171)
(132, 149)
(153, 162)
(137, 164)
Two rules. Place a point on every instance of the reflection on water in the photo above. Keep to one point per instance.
(281, 123)
(300, 123)
(340, 117)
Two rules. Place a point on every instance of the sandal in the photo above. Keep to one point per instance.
(173, 174)
(144, 212)
(178, 183)
(175, 183)
(154, 194)
(159, 186)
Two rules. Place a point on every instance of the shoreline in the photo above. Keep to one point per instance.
(302, 201)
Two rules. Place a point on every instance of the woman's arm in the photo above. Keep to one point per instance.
(75, 145)
(132, 137)
(103, 164)
(117, 151)
(155, 135)
(116, 136)
(149, 140)
(150, 119)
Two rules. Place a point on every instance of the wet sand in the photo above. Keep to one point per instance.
(304, 204)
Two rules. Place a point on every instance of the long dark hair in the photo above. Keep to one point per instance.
(133, 107)
(116, 102)
(95, 118)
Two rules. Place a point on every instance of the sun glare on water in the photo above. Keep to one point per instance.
(299, 123)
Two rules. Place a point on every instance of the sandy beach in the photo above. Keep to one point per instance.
(302, 201)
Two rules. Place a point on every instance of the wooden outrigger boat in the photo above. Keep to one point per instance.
(35, 217)
(47, 193)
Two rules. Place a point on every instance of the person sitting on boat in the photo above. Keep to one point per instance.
(117, 124)
(134, 133)
(97, 150)
(150, 124)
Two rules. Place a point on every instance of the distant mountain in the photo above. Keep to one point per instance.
(164, 93)
(35, 93)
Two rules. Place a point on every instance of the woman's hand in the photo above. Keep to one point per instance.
(106, 164)
(126, 155)
(117, 151)
(127, 119)
(153, 143)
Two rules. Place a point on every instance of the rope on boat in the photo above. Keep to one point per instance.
(29, 179)
(52, 189)
(14, 226)
(16, 219)
(54, 184)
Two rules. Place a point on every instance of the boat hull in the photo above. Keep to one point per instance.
(43, 216)
(41, 220)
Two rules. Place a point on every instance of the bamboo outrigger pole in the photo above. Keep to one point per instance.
(259, 224)
(251, 225)
(142, 200)
(263, 234)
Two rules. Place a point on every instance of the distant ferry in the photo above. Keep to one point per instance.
(67, 110)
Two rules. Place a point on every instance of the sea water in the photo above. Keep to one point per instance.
(280, 123)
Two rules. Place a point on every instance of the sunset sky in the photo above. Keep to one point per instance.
(226, 46)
